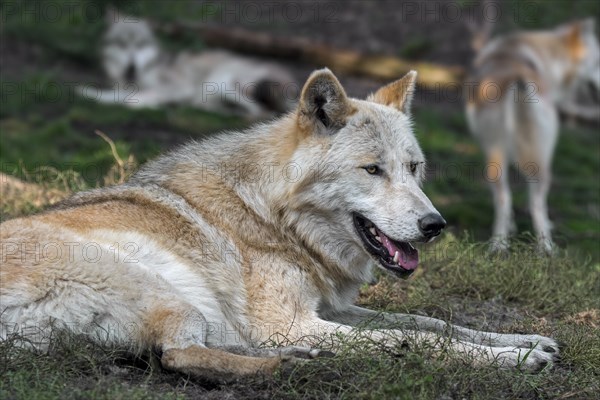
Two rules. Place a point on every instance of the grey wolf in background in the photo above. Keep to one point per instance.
(145, 76)
(521, 79)
(221, 245)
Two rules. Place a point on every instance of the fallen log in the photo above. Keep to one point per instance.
(349, 62)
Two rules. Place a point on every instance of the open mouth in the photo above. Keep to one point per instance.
(401, 258)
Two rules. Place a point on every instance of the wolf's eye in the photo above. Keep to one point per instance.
(372, 169)
(413, 167)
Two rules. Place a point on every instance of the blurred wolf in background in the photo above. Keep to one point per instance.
(517, 85)
(144, 76)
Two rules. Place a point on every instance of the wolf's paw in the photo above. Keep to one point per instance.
(498, 247)
(547, 247)
(306, 353)
(539, 343)
(531, 360)
(293, 357)
(287, 364)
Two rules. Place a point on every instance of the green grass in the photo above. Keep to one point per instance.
(457, 280)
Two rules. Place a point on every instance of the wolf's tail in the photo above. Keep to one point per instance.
(481, 31)
(274, 95)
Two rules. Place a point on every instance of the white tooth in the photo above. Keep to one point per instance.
(378, 239)
(373, 231)
(396, 257)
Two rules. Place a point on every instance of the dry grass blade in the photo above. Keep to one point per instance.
(113, 149)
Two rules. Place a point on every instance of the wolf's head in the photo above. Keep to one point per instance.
(129, 48)
(366, 181)
(582, 43)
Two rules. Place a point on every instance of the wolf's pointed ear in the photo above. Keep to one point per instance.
(323, 102)
(573, 33)
(398, 94)
(572, 30)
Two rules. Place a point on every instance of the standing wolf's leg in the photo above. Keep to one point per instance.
(538, 206)
(497, 177)
(535, 162)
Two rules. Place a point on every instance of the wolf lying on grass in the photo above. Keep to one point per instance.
(215, 248)
(143, 75)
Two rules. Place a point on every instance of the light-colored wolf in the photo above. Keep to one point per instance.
(221, 245)
(520, 80)
(143, 75)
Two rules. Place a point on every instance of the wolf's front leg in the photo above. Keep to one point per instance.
(358, 316)
(503, 353)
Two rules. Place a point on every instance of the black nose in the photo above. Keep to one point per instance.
(130, 73)
(431, 225)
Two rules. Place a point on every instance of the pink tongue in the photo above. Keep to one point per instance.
(408, 257)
